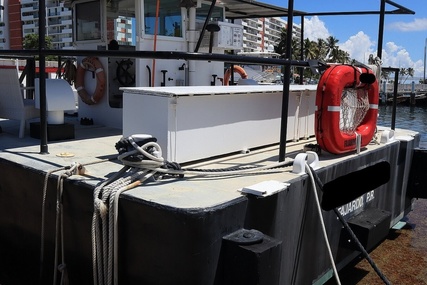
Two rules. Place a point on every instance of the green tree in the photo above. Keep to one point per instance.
(338, 55)
(409, 72)
(281, 45)
(310, 49)
(331, 46)
(31, 41)
(321, 49)
(402, 72)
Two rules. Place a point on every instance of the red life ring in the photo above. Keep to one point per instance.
(94, 65)
(330, 90)
(237, 69)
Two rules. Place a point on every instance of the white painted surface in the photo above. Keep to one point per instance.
(197, 122)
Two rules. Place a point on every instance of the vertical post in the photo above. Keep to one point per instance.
(286, 83)
(396, 86)
(381, 30)
(42, 75)
(424, 74)
(301, 69)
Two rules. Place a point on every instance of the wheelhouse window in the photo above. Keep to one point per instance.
(169, 20)
(216, 16)
(88, 21)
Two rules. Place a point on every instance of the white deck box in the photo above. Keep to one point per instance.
(198, 122)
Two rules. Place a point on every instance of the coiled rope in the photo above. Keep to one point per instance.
(67, 71)
(142, 159)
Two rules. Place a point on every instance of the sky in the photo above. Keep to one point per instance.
(404, 39)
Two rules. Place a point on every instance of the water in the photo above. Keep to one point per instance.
(407, 117)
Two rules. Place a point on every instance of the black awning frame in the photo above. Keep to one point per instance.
(243, 9)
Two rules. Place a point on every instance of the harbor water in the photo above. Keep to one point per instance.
(407, 117)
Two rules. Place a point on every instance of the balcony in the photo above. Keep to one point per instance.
(67, 22)
(66, 13)
(28, 18)
(23, 2)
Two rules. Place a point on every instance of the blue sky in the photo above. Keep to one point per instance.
(404, 35)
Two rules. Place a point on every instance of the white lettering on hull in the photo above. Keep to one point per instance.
(357, 203)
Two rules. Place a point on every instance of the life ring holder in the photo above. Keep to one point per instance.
(94, 65)
(328, 108)
(237, 69)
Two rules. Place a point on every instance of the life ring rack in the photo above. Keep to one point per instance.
(94, 65)
(332, 85)
(237, 69)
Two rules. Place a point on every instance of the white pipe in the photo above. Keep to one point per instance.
(191, 45)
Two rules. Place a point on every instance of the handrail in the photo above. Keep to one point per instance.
(160, 55)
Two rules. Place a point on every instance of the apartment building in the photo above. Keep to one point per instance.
(262, 34)
(20, 17)
(59, 23)
(3, 29)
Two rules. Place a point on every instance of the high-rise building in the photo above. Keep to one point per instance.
(20, 17)
(262, 34)
(59, 24)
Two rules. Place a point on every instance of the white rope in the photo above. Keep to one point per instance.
(100, 210)
(59, 229)
(140, 164)
(104, 222)
(322, 223)
(42, 237)
(115, 220)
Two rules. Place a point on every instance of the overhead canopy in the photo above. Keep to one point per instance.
(241, 9)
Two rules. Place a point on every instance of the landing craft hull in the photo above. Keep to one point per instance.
(177, 231)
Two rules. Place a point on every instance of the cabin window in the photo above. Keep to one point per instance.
(169, 18)
(88, 21)
(216, 16)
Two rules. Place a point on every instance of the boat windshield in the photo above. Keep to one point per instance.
(169, 18)
(88, 18)
(217, 14)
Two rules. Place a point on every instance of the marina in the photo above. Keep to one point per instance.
(148, 169)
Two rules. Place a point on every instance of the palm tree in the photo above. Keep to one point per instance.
(408, 72)
(338, 55)
(281, 47)
(331, 44)
(402, 72)
(322, 49)
(310, 50)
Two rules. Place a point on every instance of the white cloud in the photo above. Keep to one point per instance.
(397, 56)
(392, 47)
(419, 24)
(315, 29)
(359, 47)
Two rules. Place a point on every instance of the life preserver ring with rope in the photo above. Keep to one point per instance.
(332, 87)
(237, 69)
(94, 65)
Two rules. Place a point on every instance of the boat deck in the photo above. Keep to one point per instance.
(94, 147)
(174, 227)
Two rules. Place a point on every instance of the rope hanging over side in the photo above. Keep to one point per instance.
(59, 224)
(353, 235)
